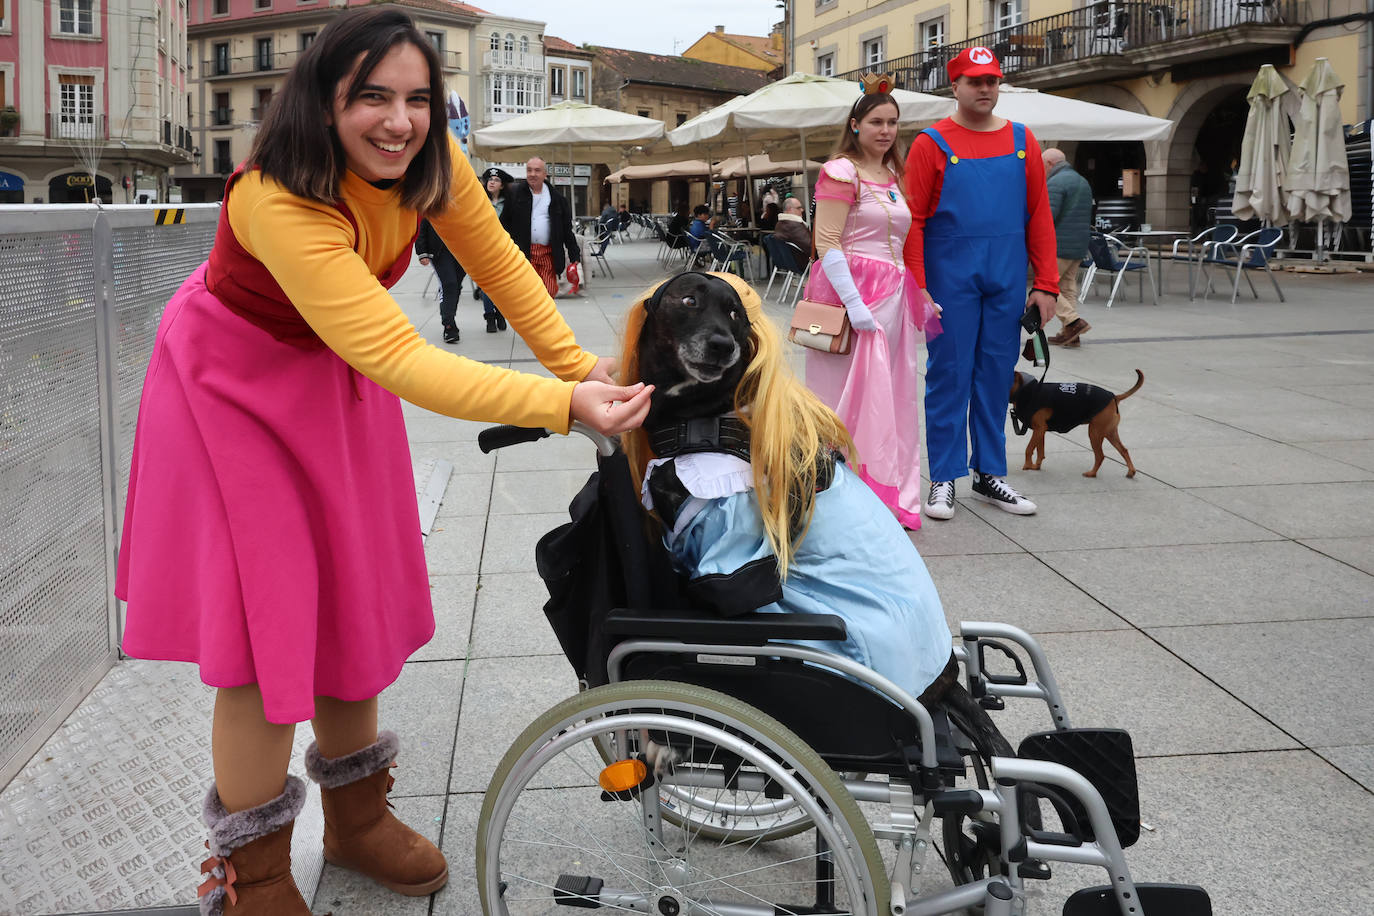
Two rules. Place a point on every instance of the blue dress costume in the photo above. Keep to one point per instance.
(975, 262)
(855, 562)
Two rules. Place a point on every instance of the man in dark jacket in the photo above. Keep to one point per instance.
(540, 222)
(429, 248)
(1071, 202)
(792, 228)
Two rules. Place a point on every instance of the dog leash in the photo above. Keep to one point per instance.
(1038, 352)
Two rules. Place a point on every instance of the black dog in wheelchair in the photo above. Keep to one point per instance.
(775, 742)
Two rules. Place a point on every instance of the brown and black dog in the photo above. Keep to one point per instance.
(1060, 406)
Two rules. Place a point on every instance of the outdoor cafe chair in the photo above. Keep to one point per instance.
(788, 260)
(1192, 251)
(597, 251)
(1106, 251)
(1250, 252)
(727, 253)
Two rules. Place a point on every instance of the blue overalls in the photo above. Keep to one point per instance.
(975, 261)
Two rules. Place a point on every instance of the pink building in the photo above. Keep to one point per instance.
(92, 99)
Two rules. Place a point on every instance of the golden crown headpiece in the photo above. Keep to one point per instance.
(870, 83)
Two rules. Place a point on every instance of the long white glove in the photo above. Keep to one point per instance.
(837, 272)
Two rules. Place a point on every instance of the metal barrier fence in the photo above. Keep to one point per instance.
(82, 289)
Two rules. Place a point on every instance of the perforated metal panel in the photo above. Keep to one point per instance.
(54, 606)
(150, 263)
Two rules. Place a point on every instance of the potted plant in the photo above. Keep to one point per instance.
(9, 120)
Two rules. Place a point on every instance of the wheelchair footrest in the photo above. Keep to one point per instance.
(578, 890)
(1170, 899)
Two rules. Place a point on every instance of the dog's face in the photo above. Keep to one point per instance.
(694, 347)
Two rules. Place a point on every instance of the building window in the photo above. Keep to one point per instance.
(307, 38)
(1006, 13)
(825, 65)
(932, 33)
(262, 4)
(522, 99)
(221, 7)
(221, 114)
(224, 163)
(509, 48)
(524, 45)
(264, 55)
(76, 112)
(643, 113)
(556, 77)
(264, 101)
(495, 42)
(872, 52)
(579, 84)
(436, 39)
(76, 17)
(221, 58)
(681, 118)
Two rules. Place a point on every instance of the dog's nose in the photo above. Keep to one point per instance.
(720, 346)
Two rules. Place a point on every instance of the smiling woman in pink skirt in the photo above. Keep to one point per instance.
(271, 533)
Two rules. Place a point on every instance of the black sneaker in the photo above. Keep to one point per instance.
(940, 502)
(998, 492)
(451, 333)
(500, 322)
(491, 324)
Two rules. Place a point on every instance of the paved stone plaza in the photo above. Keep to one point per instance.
(1218, 605)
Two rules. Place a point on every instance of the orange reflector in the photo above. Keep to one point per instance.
(623, 775)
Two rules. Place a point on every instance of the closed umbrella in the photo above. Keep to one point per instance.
(1318, 183)
(585, 133)
(1263, 152)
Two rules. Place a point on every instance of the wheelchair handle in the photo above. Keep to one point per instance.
(494, 437)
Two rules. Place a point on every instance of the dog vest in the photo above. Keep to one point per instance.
(1071, 404)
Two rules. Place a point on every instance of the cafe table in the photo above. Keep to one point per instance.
(1156, 239)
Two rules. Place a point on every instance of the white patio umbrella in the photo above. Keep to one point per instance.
(1318, 183)
(585, 133)
(1055, 117)
(1263, 152)
(687, 168)
(799, 107)
(763, 165)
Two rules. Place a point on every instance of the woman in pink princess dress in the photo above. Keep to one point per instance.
(861, 226)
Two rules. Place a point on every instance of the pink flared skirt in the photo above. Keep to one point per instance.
(271, 533)
(874, 387)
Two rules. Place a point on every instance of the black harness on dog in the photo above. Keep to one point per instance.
(700, 434)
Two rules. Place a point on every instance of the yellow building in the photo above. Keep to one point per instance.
(755, 52)
(238, 60)
(1190, 61)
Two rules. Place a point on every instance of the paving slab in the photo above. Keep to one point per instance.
(467, 496)
(1122, 519)
(1018, 589)
(422, 709)
(1357, 552)
(965, 534)
(1355, 761)
(453, 600)
(520, 492)
(1356, 452)
(500, 697)
(1217, 583)
(461, 896)
(1361, 395)
(511, 540)
(454, 545)
(1258, 462)
(1317, 424)
(1307, 677)
(1125, 679)
(510, 619)
(1313, 509)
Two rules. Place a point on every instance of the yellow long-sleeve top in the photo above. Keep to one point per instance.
(329, 272)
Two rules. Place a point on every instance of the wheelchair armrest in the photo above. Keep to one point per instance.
(706, 626)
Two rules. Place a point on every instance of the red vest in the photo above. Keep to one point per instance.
(246, 288)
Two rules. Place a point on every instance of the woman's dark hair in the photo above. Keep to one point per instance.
(849, 141)
(298, 148)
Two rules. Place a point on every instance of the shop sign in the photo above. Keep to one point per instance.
(80, 181)
(11, 182)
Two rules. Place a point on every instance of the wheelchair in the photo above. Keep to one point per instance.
(711, 766)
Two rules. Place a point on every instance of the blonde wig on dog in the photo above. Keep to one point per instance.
(790, 429)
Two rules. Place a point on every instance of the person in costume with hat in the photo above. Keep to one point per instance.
(980, 213)
(860, 229)
(495, 181)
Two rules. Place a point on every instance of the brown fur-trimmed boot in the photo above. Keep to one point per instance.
(249, 869)
(360, 832)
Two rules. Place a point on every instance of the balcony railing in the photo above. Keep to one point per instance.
(512, 60)
(221, 117)
(78, 127)
(252, 64)
(1121, 35)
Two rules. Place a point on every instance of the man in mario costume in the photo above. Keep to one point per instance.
(980, 211)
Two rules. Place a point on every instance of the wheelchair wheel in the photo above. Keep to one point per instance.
(559, 826)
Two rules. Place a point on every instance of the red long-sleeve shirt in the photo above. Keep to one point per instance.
(925, 175)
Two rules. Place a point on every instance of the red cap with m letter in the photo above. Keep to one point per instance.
(974, 62)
